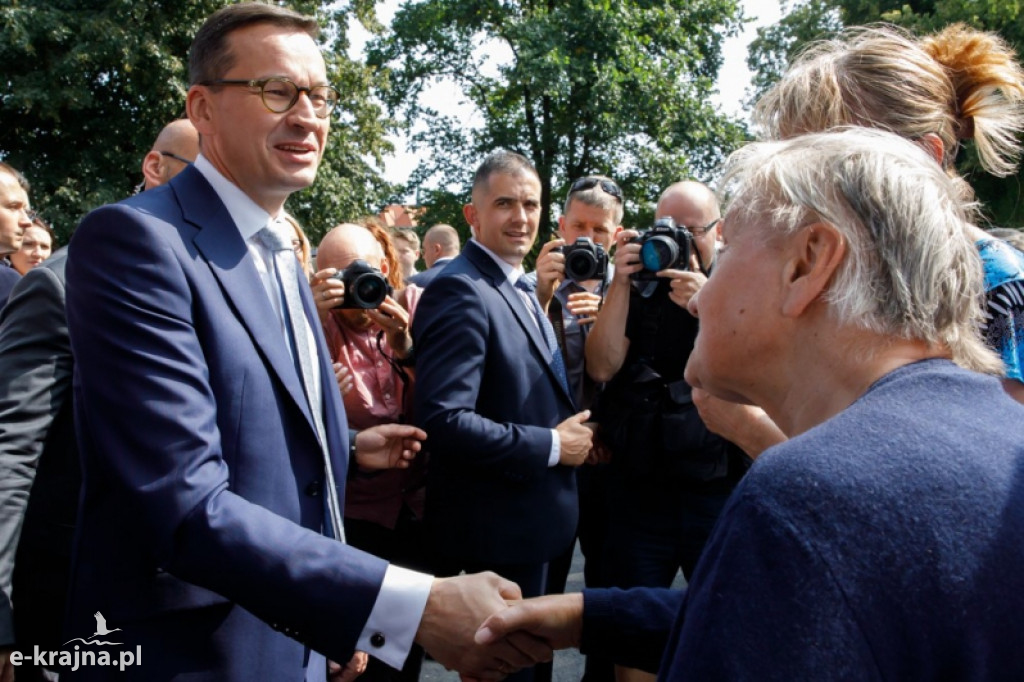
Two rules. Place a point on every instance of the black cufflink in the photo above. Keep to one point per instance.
(377, 640)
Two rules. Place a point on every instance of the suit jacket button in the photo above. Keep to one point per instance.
(377, 639)
(313, 489)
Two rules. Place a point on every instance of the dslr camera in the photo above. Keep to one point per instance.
(663, 246)
(584, 260)
(365, 286)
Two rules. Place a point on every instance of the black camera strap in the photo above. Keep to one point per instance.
(399, 371)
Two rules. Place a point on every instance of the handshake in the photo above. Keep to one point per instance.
(480, 625)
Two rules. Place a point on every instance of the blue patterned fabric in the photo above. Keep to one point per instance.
(1004, 307)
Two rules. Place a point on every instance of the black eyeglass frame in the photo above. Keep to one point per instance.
(329, 104)
(700, 231)
(174, 156)
(585, 183)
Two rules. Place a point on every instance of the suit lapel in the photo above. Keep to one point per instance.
(226, 253)
(487, 267)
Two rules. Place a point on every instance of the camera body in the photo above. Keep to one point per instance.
(662, 247)
(366, 287)
(584, 260)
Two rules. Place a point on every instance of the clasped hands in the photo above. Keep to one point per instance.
(479, 625)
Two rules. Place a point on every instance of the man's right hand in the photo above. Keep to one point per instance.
(328, 293)
(575, 439)
(550, 270)
(627, 257)
(388, 446)
(455, 609)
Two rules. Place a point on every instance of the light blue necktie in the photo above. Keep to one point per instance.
(557, 363)
(278, 238)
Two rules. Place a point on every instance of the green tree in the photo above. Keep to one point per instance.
(590, 86)
(811, 20)
(89, 84)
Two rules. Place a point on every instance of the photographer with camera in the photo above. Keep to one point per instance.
(367, 333)
(670, 475)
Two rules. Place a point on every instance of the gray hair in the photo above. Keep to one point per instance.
(598, 198)
(910, 269)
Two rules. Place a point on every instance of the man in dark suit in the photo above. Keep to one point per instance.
(37, 441)
(213, 440)
(440, 247)
(502, 433)
(15, 218)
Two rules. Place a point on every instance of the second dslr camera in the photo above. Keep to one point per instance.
(365, 286)
(663, 247)
(584, 260)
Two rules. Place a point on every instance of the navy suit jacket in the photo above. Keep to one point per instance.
(201, 507)
(488, 398)
(422, 279)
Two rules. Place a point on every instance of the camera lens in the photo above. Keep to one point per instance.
(581, 265)
(659, 252)
(369, 290)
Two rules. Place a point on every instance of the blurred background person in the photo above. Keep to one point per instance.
(670, 476)
(407, 245)
(572, 278)
(370, 337)
(301, 246)
(942, 90)
(440, 246)
(36, 246)
(15, 217)
(175, 147)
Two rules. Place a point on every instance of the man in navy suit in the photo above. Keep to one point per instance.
(440, 247)
(503, 434)
(198, 358)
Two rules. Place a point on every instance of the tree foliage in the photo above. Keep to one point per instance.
(811, 20)
(89, 84)
(589, 86)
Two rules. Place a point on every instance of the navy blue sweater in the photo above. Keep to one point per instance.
(886, 543)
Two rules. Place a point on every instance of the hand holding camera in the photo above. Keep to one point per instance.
(365, 286)
(550, 270)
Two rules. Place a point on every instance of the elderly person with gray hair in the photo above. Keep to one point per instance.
(882, 541)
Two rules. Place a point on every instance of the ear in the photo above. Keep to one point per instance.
(561, 226)
(469, 213)
(151, 169)
(814, 254)
(199, 108)
(932, 144)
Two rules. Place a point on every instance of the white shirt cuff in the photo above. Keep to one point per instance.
(395, 617)
(556, 449)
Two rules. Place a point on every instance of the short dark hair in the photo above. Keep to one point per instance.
(504, 162)
(13, 172)
(209, 57)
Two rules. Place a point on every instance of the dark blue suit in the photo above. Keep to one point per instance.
(422, 279)
(201, 505)
(487, 397)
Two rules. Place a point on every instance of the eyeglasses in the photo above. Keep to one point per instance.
(280, 94)
(700, 231)
(584, 184)
(174, 156)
